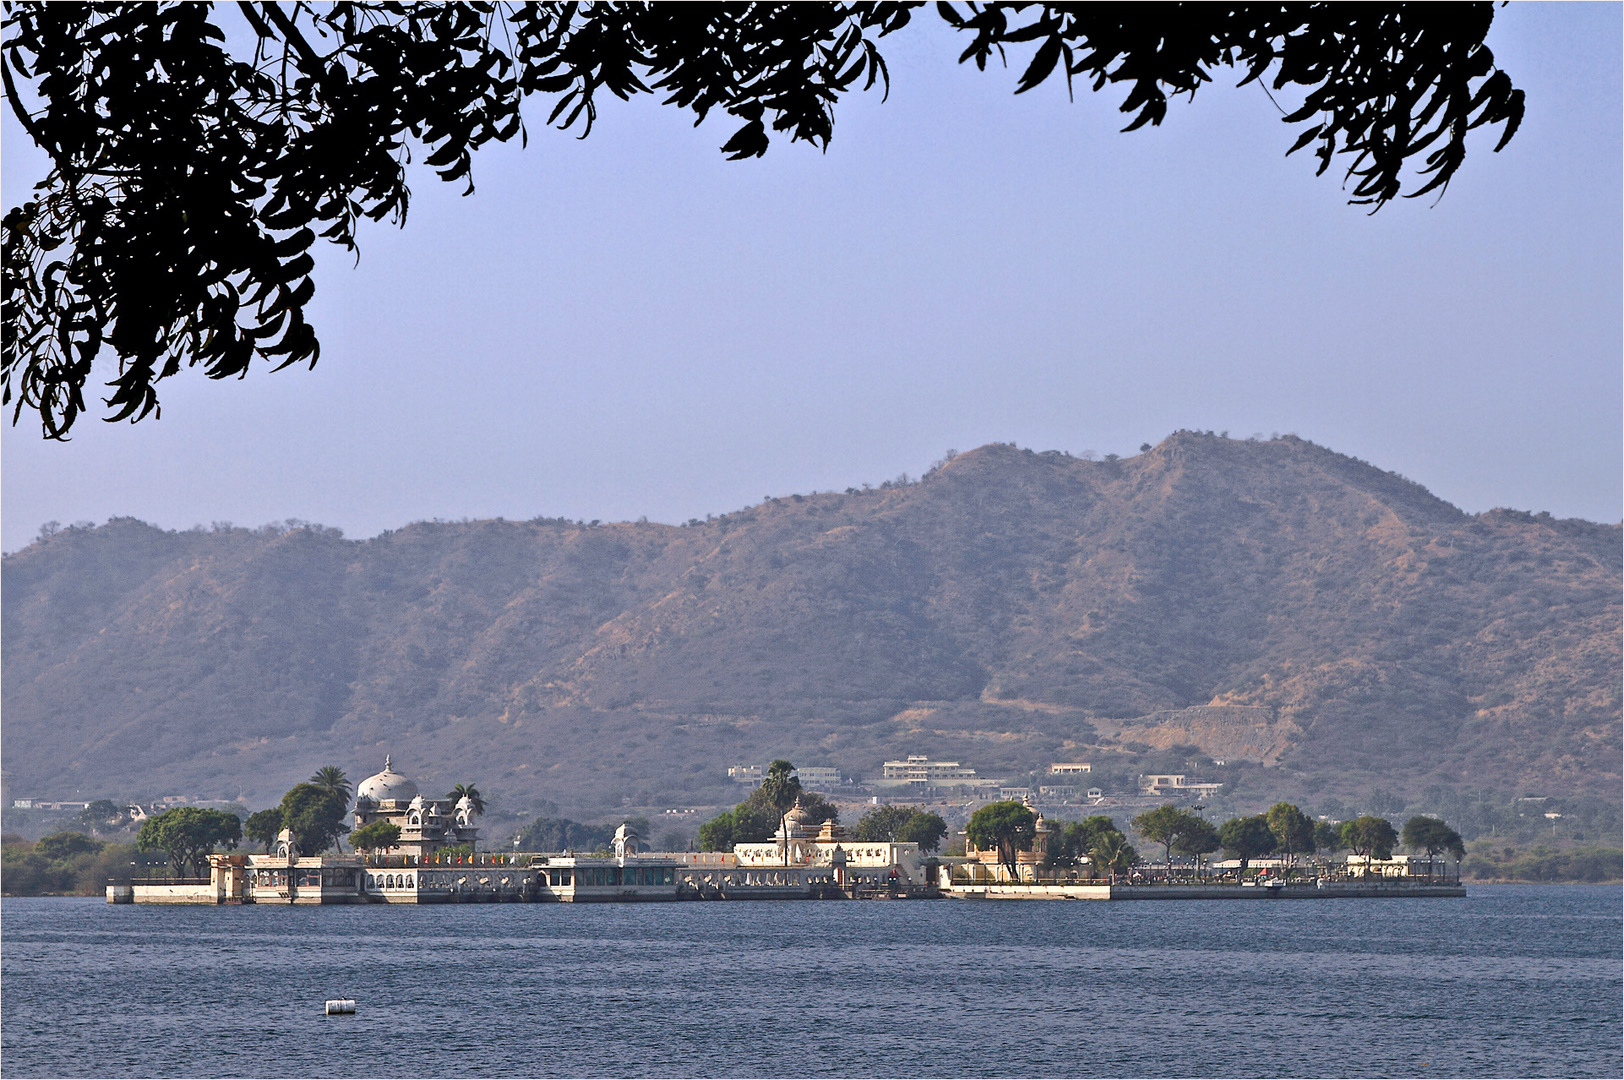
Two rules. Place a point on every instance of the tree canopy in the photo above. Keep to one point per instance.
(1171, 826)
(1246, 838)
(1433, 836)
(1198, 837)
(1074, 841)
(379, 835)
(902, 824)
(1293, 830)
(1007, 826)
(880, 824)
(193, 171)
(757, 818)
(1113, 854)
(102, 814)
(65, 845)
(263, 826)
(1370, 836)
(315, 816)
(780, 787)
(187, 834)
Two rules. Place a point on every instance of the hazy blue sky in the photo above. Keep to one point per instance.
(630, 325)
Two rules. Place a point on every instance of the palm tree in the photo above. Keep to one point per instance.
(779, 787)
(1114, 854)
(469, 792)
(331, 778)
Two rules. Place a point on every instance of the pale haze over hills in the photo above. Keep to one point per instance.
(1267, 602)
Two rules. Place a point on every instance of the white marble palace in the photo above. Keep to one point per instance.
(425, 824)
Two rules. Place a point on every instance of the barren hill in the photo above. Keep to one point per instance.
(1268, 602)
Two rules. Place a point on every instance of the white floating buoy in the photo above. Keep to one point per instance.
(338, 1006)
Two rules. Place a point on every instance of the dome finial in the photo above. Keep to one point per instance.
(386, 763)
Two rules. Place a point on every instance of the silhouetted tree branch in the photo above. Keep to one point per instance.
(188, 183)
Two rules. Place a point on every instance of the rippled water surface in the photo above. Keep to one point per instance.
(1511, 981)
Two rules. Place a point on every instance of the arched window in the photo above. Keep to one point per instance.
(409, 881)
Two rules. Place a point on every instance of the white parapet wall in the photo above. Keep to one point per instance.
(154, 893)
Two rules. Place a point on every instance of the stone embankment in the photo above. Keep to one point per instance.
(1325, 890)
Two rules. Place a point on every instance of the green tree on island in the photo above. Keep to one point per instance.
(1007, 826)
(1327, 837)
(719, 833)
(1370, 836)
(263, 825)
(1165, 825)
(901, 824)
(378, 836)
(1293, 831)
(65, 845)
(1198, 837)
(1246, 839)
(758, 817)
(1071, 843)
(315, 816)
(925, 829)
(881, 824)
(1433, 836)
(187, 834)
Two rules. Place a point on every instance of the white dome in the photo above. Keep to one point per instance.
(386, 785)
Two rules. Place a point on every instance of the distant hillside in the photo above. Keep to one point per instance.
(1269, 602)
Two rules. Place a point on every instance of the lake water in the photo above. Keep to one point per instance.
(1511, 981)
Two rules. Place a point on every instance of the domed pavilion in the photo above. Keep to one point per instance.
(425, 824)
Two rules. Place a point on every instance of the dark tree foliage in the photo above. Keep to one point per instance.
(1008, 827)
(925, 829)
(187, 834)
(103, 814)
(1113, 854)
(331, 778)
(562, 834)
(1327, 837)
(1370, 836)
(1293, 830)
(263, 826)
(1433, 836)
(189, 182)
(64, 845)
(1073, 841)
(757, 818)
(315, 816)
(1246, 838)
(378, 836)
(1165, 825)
(779, 788)
(719, 833)
(902, 824)
(1198, 837)
(881, 824)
